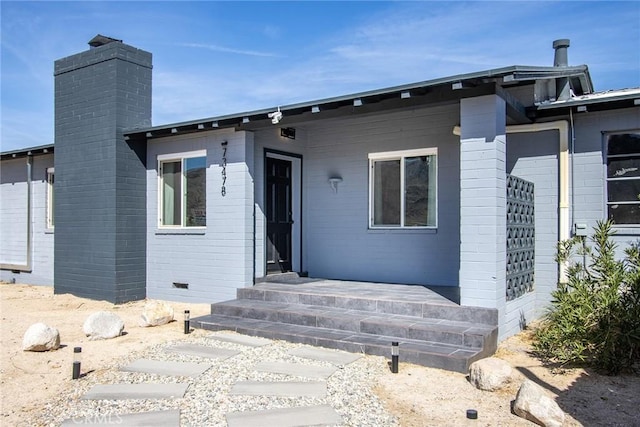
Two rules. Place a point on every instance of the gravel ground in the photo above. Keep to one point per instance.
(349, 390)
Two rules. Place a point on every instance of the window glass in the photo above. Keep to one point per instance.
(416, 191)
(196, 196)
(386, 197)
(171, 193)
(183, 193)
(403, 189)
(50, 199)
(623, 178)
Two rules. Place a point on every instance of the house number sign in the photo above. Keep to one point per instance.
(223, 190)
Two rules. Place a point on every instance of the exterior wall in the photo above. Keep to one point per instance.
(534, 157)
(589, 198)
(217, 260)
(483, 203)
(100, 249)
(13, 221)
(337, 242)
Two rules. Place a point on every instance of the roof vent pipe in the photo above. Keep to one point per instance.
(560, 59)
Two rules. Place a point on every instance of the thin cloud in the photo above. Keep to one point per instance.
(217, 48)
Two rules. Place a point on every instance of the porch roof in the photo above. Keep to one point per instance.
(436, 91)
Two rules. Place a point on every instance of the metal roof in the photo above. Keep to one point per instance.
(509, 75)
(31, 151)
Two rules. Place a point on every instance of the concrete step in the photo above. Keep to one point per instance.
(433, 354)
(405, 300)
(459, 333)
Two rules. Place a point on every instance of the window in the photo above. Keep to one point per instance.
(623, 178)
(50, 198)
(403, 189)
(183, 190)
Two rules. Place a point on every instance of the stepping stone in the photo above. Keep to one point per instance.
(332, 356)
(170, 418)
(202, 351)
(279, 388)
(136, 391)
(296, 369)
(185, 369)
(247, 340)
(287, 417)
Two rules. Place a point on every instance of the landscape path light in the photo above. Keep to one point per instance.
(187, 327)
(77, 355)
(395, 352)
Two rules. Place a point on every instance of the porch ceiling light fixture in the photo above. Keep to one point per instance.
(275, 117)
(357, 102)
(334, 181)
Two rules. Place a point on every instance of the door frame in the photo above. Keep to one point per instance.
(296, 204)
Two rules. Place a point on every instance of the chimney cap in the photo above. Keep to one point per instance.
(100, 40)
(560, 43)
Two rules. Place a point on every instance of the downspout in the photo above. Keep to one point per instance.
(27, 266)
(564, 227)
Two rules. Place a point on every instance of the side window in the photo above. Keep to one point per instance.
(403, 188)
(182, 190)
(623, 178)
(50, 198)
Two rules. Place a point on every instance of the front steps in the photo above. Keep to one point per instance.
(362, 318)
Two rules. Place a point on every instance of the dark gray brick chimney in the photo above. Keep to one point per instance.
(100, 203)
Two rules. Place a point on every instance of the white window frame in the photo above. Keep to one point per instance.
(176, 157)
(607, 179)
(400, 155)
(50, 195)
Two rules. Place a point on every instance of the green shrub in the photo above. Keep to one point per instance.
(594, 318)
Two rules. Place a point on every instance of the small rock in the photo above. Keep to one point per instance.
(103, 325)
(490, 374)
(156, 313)
(532, 403)
(40, 337)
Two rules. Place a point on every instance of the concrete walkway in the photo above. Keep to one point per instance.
(170, 418)
(159, 367)
(286, 417)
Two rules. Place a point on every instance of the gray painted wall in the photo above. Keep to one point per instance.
(337, 242)
(100, 204)
(589, 167)
(13, 221)
(534, 157)
(217, 260)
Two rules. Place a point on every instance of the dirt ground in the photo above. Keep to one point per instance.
(418, 396)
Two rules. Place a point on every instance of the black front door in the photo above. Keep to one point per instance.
(279, 215)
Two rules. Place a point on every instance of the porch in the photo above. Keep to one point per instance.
(361, 317)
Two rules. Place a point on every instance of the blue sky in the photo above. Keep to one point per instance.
(214, 58)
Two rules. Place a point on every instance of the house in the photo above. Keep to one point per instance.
(464, 183)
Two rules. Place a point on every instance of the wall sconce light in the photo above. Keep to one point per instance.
(275, 117)
(333, 182)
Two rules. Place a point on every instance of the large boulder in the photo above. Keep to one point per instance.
(534, 404)
(103, 325)
(490, 374)
(40, 337)
(156, 313)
